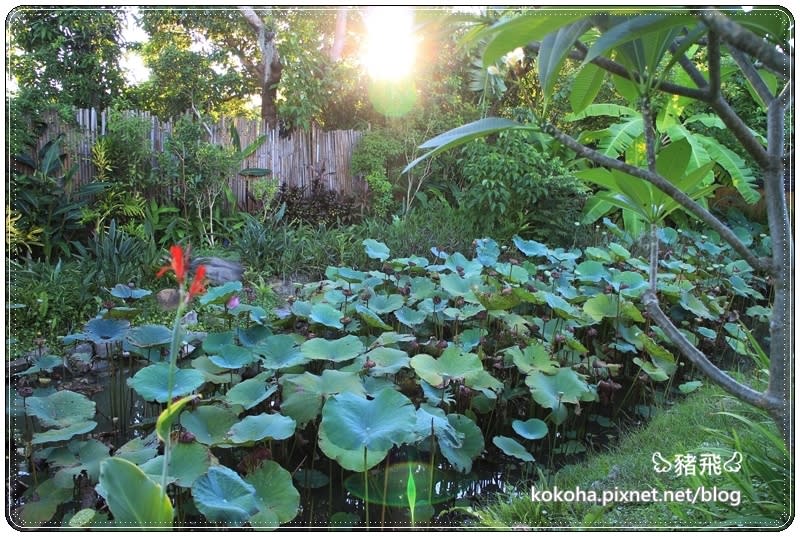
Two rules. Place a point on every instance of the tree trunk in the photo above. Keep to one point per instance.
(269, 71)
(339, 35)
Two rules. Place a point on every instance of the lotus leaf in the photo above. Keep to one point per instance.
(552, 391)
(350, 459)
(421, 288)
(255, 428)
(209, 424)
(138, 450)
(592, 271)
(513, 273)
(695, 305)
(214, 342)
(402, 479)
(232, 357)
(222, 496)
(652, 370)
(303, 395)
(60, 409)
(249, 337)
(150, 335)
(36, 513)
(375, 249)
(212, 372)
(487, 251)
(134, 499)
(336, 350)
(460, 264)
(532, 429)
(151, 382)
(310, 478)
(533, 358)
(101, 331)
(512, 448)
(43, 363)
(390, 338)
(470, 338)
(454, 364)
(327, 315)
(83, 518)
(251, 392)
(561, 307)
(354, 422)
(371, 318)
(126, 291)
(471, 445)
(689, 387)
(187, 462)
(598, 253)
(278, 500)
(433, 420)
(385, 303)
(410, 317)
(221, 294)
(531, 248)
(168, 415)
(387, 361)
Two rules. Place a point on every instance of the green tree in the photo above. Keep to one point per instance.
(67, 55)
(638, 51)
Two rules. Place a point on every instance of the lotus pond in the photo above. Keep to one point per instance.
(415, 387)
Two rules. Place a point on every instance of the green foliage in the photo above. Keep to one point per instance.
(67, 56)
(512, 188)
(44, 194)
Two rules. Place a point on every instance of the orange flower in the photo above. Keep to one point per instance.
(197, 288)
(178, 264)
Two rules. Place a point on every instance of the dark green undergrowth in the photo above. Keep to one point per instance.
(707, 421)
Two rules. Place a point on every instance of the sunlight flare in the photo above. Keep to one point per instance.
(390, 46)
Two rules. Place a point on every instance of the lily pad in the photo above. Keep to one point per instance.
(453, 365)
(64, 433)
(461, 454)
(350, 459)
(533, 358)
(222, 496)
(60, 409)
(487, 252)
(251, 392)
(532, 429)
(232, 357)
(126, 291)
(255, 428)
(100, 331)
(386, 360)
(530, 248)
(187, 462)
(43, 363)
(278, 501)
(209, 424)
(280, 352)
(410, 317)
(221, 294)
(150, 335)
(327, 315)
(689, 387)
(553, 391)
(335, 350)
(303, 394)
(375, 249)
(381, 304)
(512, 448)
(152, 382)
(354, 422)
(310, 478)
(371, 318)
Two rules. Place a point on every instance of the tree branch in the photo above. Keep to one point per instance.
(666, 186)
(728, 116)
(725, 381)
(752, 76)
(745, 40)
(714, 82)
(619, 70)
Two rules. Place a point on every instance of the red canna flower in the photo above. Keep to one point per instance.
(178, 264)
(198, 283)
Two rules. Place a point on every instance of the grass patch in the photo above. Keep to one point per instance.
(700, 423)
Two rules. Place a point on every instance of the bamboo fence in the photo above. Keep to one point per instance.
(295, 158)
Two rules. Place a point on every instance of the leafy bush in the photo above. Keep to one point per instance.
(113, 257)
(372, 158)
(512, 188)
(320, 205)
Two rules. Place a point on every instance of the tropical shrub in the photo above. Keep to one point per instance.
(511, 188)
